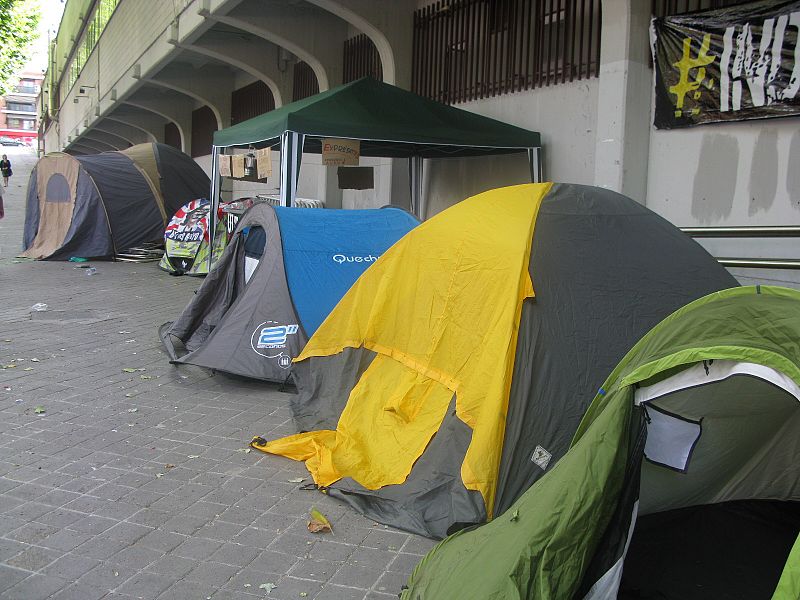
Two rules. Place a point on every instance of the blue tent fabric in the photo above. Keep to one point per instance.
(325, 251)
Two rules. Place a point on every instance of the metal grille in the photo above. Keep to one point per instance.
(172, 137)
(663, 8)
(305, 81)
(469, 49)
(204, 124)
(250, 101)
(361, 59)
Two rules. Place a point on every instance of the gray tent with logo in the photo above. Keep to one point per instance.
(282, 273)
(99, 205)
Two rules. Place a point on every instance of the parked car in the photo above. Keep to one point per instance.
(7, 141)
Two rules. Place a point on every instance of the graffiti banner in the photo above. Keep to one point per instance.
(730, 64)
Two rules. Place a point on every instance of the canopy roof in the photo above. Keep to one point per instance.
(390, 121)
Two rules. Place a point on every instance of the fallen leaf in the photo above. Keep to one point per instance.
(39, 410)
(146, 376)
(515, 515)
(297, 480)
(159, 475)
(10, 366)
(123, 332)
(169, 466)
(247, 585)
(34, 360)
(319, 523)
(131, 370)
(7, 388)
(28, 369)
(303, 594)
(193, 456)
(132, 410)
(267, 586)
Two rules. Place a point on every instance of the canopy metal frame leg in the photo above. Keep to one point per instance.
(214, 197)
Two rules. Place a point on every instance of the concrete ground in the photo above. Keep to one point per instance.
(139, 484)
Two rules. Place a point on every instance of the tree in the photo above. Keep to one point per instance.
(18, 22)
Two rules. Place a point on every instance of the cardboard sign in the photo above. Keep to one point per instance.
(356, 178)
(237, 165)
(264, 163)
(341, 152)
(224, 165)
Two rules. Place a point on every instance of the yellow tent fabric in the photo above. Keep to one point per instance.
(441, 310)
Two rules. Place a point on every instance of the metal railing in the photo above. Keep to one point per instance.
(776, 231)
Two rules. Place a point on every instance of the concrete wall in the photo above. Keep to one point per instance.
(727, 173)
(566, 117)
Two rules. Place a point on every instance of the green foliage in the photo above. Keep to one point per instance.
(18, 22)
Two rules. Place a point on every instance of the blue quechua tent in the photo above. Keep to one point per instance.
(282, 273)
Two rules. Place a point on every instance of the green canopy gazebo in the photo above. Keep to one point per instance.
(387, 120)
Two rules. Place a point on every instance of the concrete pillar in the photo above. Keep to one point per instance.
(623, 107)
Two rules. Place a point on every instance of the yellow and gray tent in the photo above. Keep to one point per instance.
(98, 205)
(452, 375)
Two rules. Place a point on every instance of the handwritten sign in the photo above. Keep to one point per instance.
(341, 152)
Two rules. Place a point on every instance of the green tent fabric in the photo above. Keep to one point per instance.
(390, 121)
(726, 370)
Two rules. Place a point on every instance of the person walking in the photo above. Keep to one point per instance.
(2, 211)
(5, 168)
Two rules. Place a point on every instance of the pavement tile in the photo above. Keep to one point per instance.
(235, 554)
(79, 591)
(147, 586)
(213, 573)
(189, 590)
(9, 577)
(35, 587)
(71, 567)
(197, 548)
(107, 576)
(33, 558)
(136, 557)
(173, 566)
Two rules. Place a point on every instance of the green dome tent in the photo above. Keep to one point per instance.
(681, 482)
(451, 376)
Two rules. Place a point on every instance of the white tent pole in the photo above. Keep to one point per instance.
(416, 186)
(535, 161)
(291, 157)
(212, 213)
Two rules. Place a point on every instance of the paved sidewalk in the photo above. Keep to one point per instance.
(139, 484)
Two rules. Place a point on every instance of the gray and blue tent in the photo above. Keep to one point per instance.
(282, 273)
(98, 206)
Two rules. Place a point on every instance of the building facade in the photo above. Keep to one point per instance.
(578, 71)
(19, 110)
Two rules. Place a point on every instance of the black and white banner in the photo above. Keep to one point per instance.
(729, 64)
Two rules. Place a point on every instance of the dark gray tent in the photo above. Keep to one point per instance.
(282, 273)
(100, 205)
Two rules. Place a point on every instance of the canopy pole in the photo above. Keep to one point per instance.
(212, 213)
(415, 167)
(535, 162)
(291, 157)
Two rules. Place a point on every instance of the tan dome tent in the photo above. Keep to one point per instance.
(99, 205)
